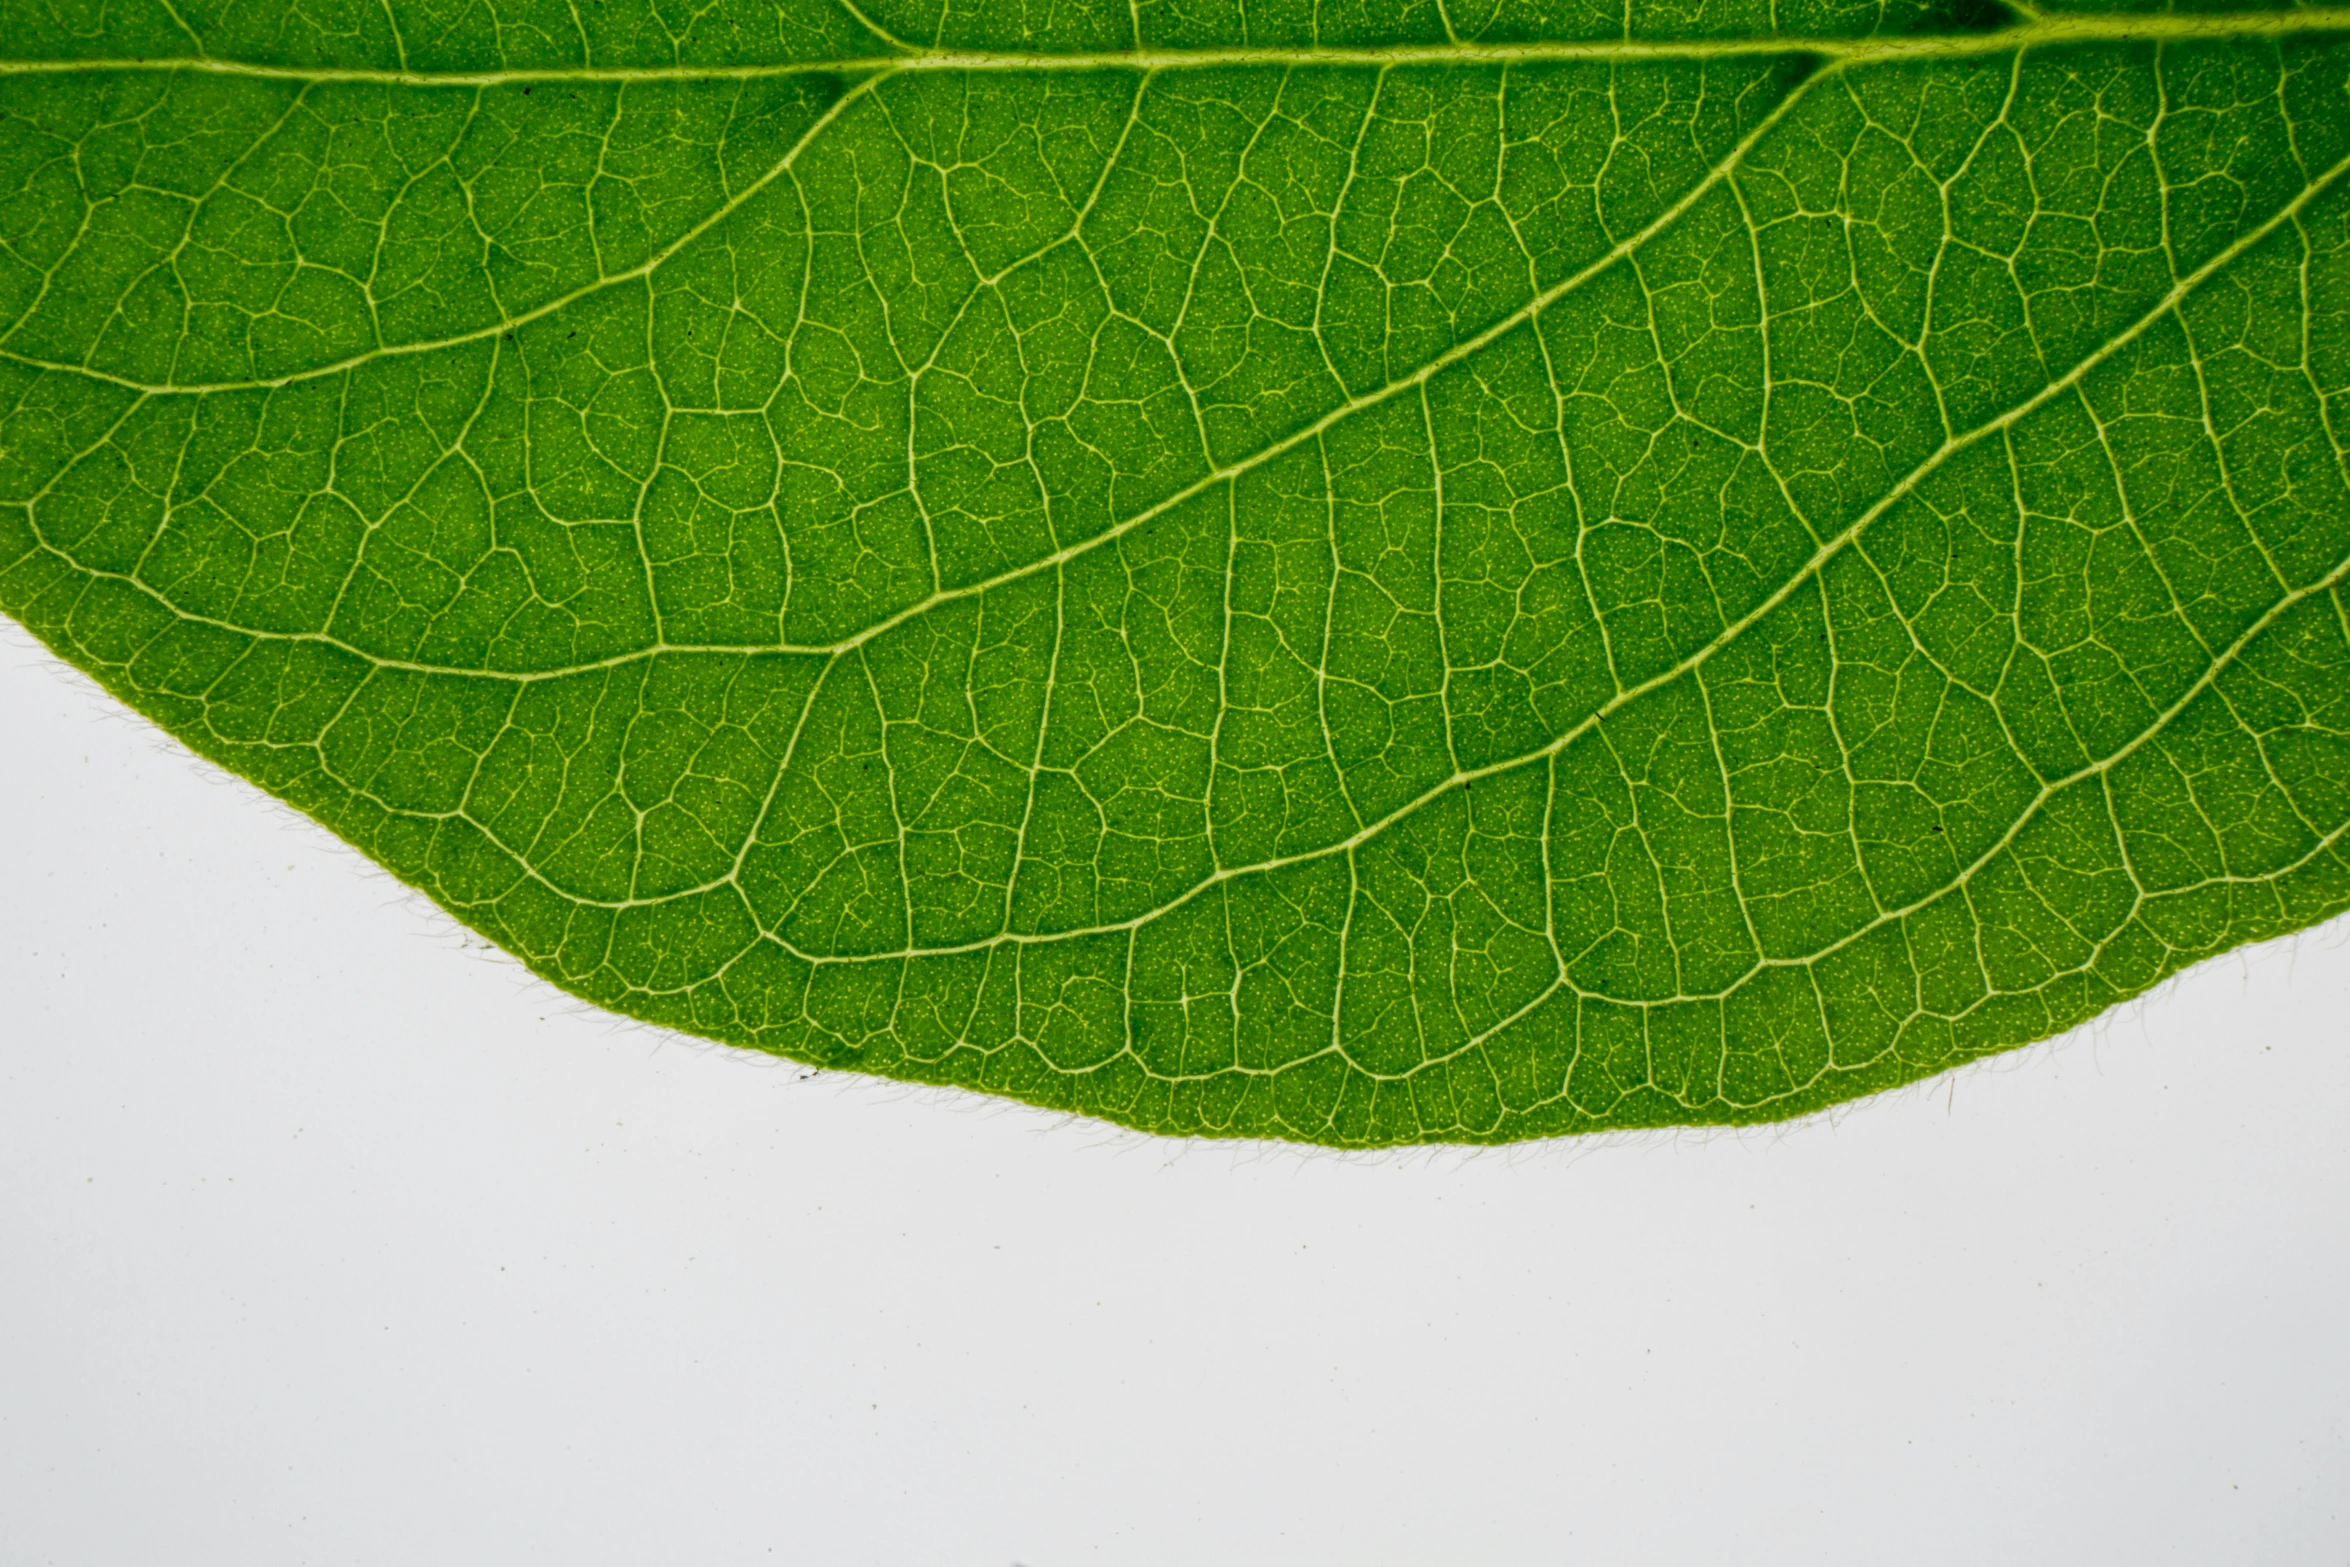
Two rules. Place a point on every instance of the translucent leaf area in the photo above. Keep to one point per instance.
(1367, 572)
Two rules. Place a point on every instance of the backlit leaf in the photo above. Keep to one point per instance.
(1373, 571)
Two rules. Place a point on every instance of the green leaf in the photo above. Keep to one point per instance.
(1367, 572)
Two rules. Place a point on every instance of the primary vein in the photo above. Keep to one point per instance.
(2161, 27)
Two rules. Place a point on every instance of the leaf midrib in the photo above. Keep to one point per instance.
(2048, 30)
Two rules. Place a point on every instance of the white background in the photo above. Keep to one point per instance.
(329, 1236)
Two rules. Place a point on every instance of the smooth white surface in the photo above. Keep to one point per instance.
(331, 1237)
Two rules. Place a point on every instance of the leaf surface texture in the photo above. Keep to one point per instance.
(1366, 573)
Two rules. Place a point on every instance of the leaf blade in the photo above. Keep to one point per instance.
(1285, 596)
